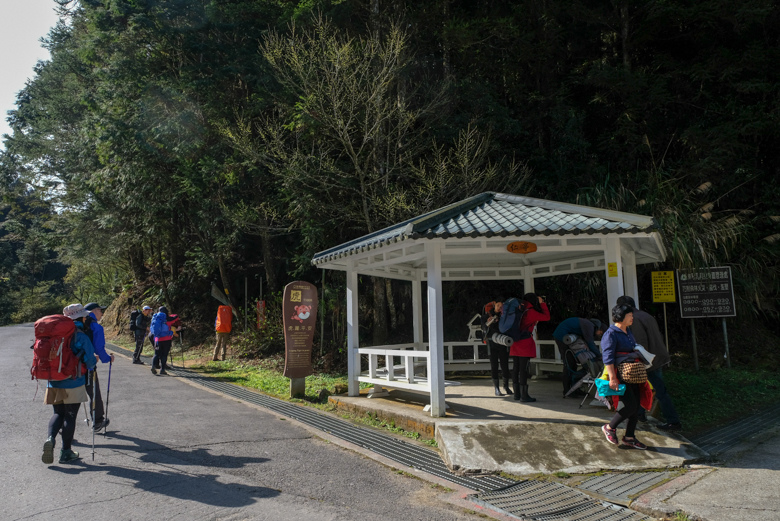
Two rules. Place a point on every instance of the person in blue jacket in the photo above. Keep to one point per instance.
(98, 337)
(587, 329)
(163, 338)
(66, 396)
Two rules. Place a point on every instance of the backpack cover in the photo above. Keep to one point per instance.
(511, 315)
(53, 356)
(158, 321)
(224, 319)
(174, 321)
(133, 317)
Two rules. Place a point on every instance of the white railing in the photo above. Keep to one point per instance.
(402, 360)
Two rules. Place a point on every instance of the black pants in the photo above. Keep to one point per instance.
(64, 418)
(96, 397)
(498, 353)
(140, 338)
(161, 354)
(566, 375)
(629, 411)
(520, 367)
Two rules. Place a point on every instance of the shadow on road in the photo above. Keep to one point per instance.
(171, 480)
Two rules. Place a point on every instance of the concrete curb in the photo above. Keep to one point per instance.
(654, 502)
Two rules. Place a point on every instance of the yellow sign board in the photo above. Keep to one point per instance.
(612, 269)
(663, 286)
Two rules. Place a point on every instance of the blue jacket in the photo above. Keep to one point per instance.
(98, 340)
(578, 326)
(159, 327)
(615, 344)
(81, 344)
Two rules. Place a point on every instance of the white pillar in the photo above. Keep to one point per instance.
(630, 284)
(435, 329)
(353, 342)
(417, 311)
(614, 272)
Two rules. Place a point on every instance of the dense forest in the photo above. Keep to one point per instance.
(171, 144)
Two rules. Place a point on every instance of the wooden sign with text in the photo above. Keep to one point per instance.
(299, 307)
(521, 247)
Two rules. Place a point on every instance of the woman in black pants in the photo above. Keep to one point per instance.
(617, 347)
(498, 352)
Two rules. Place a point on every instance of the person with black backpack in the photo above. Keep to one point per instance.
(139, 325)
(66, 395)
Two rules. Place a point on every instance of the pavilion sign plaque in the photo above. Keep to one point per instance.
(521, 247)
(299, 306)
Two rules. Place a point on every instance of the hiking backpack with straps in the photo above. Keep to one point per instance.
(53, 356)
(511, 316)
(133, 318)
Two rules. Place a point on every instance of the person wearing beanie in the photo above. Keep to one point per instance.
(588, 330)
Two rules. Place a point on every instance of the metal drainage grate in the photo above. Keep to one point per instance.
(722, 439)
(622, 488)
(545, 501)
(409, 454)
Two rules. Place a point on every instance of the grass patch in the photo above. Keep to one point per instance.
(713, 397)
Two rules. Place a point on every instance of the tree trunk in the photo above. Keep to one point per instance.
(391, 305)
(224, 277)
(161, 267)
(137, 265)
(624, 19)
(269, 262)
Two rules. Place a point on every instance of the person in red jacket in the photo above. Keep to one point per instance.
(524, 349)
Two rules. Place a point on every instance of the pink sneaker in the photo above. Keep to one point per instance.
(610, 434)
(634, 443)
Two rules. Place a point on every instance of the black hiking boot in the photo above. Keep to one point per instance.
(100, 425)
(48, 451)
(497, 391)
(67, 455)
(154, 371)
(524, 397)
(507, 390)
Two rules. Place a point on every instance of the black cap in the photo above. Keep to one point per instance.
(94, 305)
(163, 309)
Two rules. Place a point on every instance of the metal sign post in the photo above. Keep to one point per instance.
(707, 293)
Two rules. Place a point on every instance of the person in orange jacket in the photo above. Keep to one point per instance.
(223, 326)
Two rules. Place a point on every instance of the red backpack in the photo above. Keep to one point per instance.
(53, 357)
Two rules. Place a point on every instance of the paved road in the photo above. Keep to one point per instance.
(743, 488)
(175, 451)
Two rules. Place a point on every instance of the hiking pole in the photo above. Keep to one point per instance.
(108, 395)
(92, 406)
(86, 414)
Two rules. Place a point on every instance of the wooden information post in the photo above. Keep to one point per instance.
(299, 308)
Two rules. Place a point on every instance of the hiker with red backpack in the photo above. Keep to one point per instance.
(62, 355)
(98, 337)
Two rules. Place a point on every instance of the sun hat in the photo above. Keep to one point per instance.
(75, 311)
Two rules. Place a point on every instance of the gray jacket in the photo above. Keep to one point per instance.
(646, 333)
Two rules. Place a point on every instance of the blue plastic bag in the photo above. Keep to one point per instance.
(605, 390)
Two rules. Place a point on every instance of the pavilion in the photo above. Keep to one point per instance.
(490, 236)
